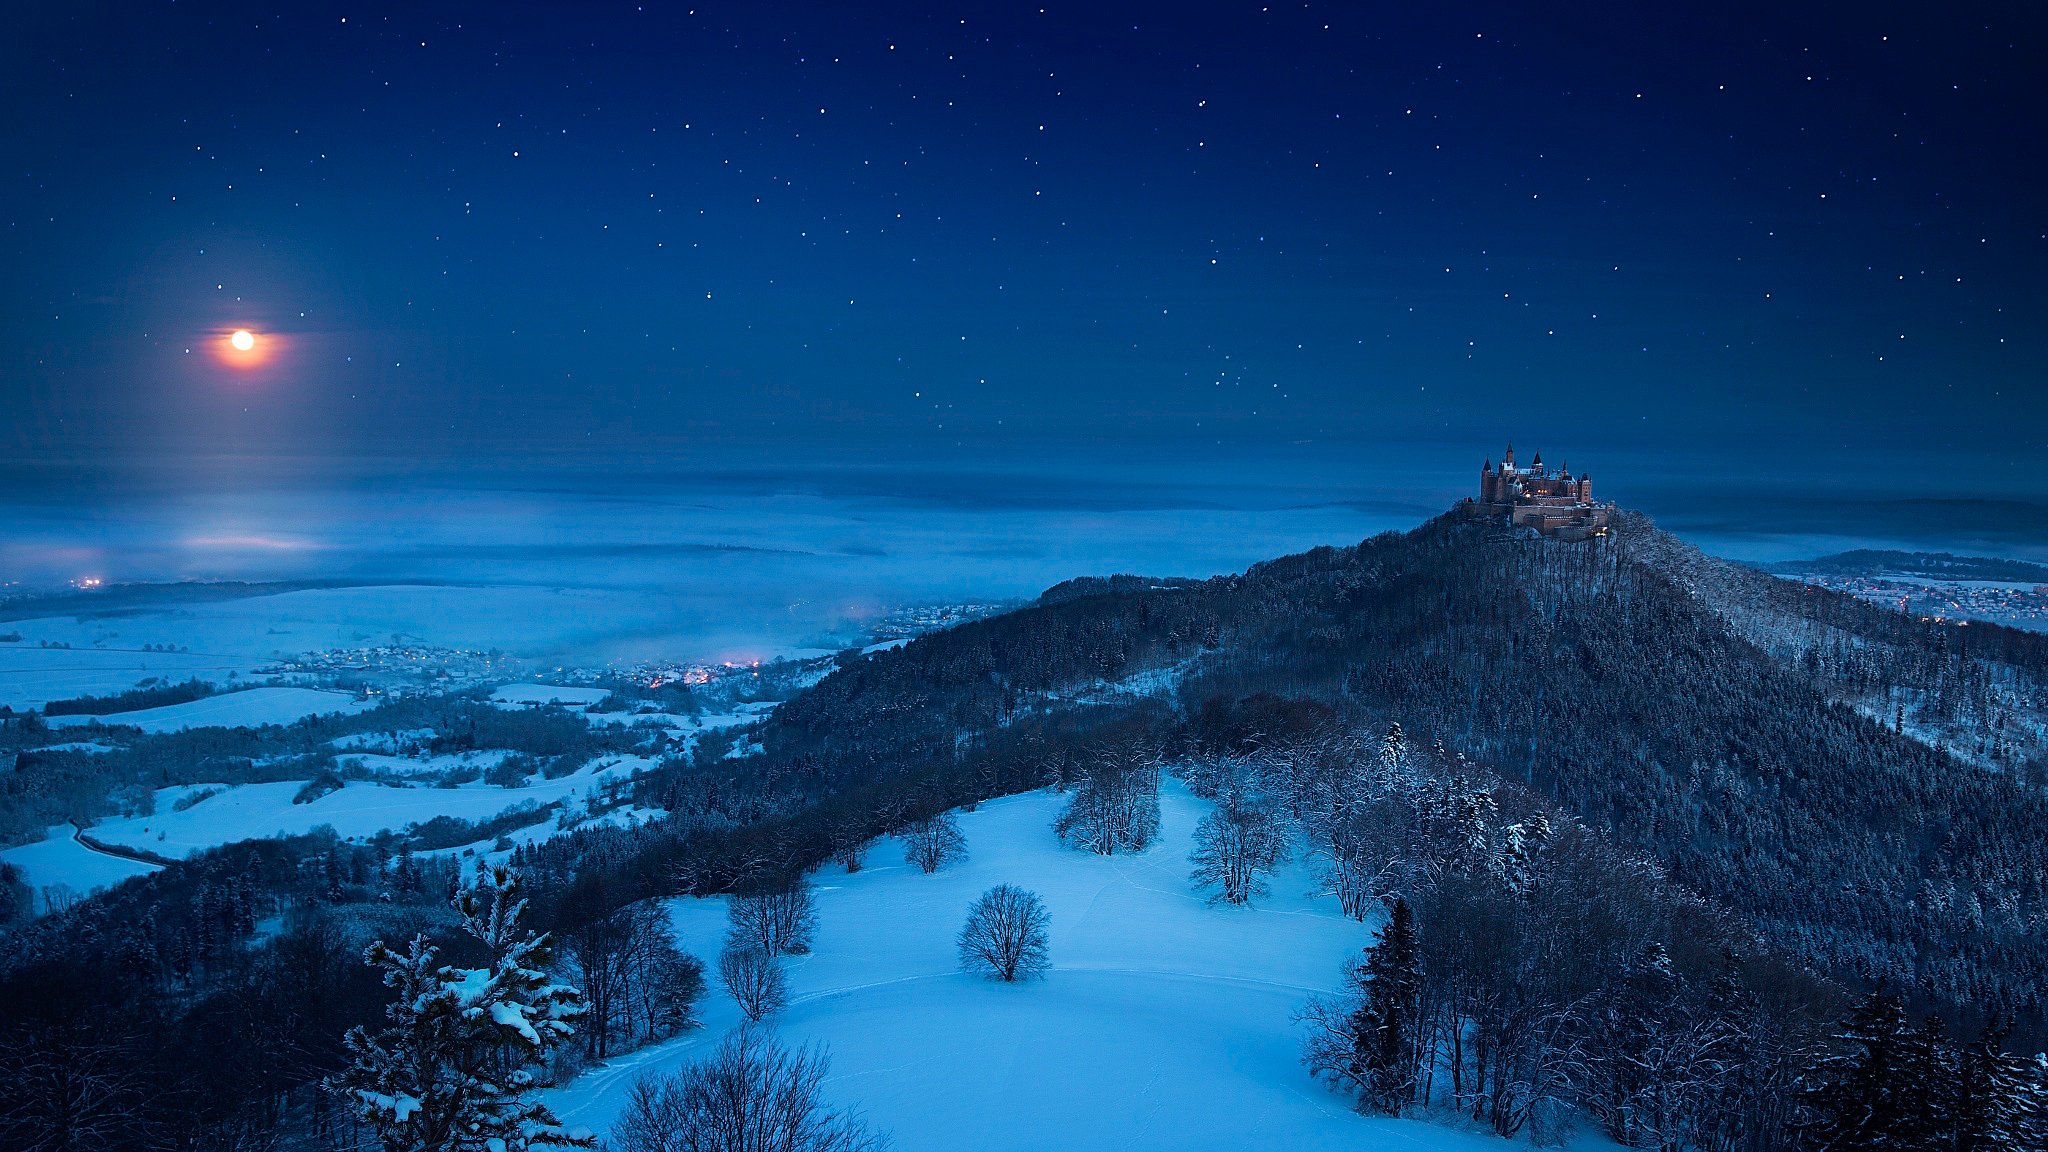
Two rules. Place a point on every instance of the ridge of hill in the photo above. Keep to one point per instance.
(1862, 787)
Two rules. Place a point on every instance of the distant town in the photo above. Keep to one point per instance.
(2016, 605)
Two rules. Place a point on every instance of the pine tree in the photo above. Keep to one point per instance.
(1393, 759)
(1989, 1107)
(1384, 1026)
(1927, 1087)
(1858, 1098)
(452, 1072)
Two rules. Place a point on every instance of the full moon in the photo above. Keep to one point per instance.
(243, 340)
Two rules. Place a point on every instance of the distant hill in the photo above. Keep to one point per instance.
(1872, 562)
(119, 599)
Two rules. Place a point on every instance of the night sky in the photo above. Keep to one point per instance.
(492, 229)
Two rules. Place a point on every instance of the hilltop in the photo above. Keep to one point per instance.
(1863, 788)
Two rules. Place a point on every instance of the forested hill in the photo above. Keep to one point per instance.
(1863, 787)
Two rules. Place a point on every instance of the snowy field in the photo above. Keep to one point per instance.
(257, 811)
(59, 859)
(32, 676)
(249, 708)
(1165, 1023)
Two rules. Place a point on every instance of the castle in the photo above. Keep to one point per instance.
(1555, 504)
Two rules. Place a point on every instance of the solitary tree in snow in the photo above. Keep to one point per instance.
(452, 1072)
(1005, 936)
(1116, 807)
(752, 1094)
(755, 981)
(1236, 845)
(933, 842)
(778, 920)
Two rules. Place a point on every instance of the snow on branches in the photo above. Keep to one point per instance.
(452, 1072)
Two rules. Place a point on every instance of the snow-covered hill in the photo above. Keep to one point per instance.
(1165, 1023)
(257, 811)
(249, 708)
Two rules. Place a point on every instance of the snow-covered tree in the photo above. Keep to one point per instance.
(1116, 807)
(1859, 1098)
(1990, 1105)
(850, 843)
(1006, 935)
(778, 920)
(934, 841)
(1517, 861)
(1236, 844)
(751, 1095)
(1393, 758)
(453, 1071)
(754, 979)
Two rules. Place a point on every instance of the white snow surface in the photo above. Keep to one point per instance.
(59, 859)
(1166, 1022)
(249, 708)
(32, 676)
(257, 811)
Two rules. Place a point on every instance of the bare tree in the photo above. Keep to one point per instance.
(1006, 936)
(933, 842)
(755, 980)
(752, 1094)
(1116, 807)
(69, 1088)
(778, 920)
(850, 843)
(1237, 843)
(1362, 865)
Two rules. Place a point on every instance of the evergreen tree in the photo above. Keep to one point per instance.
(1393, 759)
(1858, 1099)
(1384, 1026)
(1927, 1087)
(452, 1072)
(1988, 1108)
